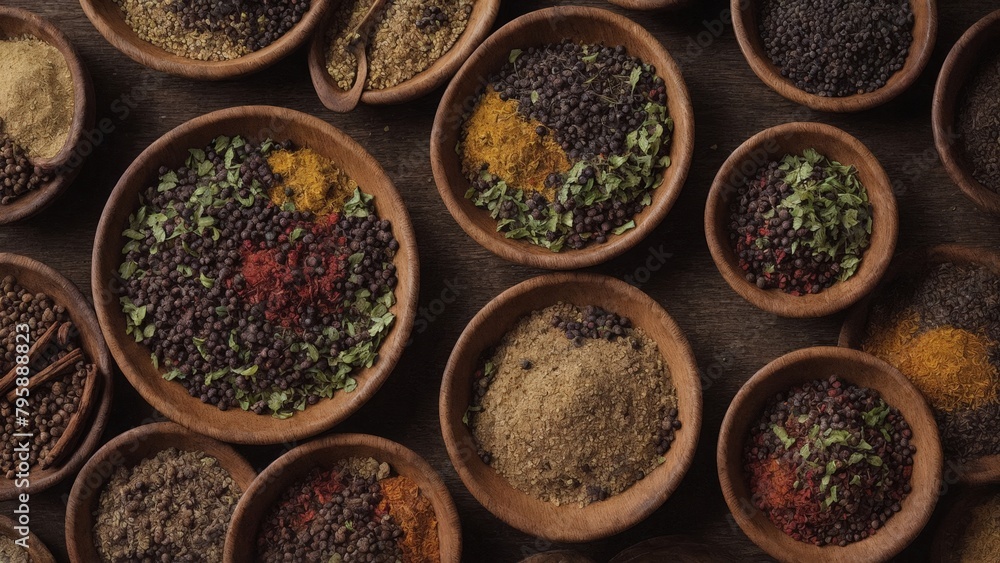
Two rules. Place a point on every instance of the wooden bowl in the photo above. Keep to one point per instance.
(543, 27)
(557, 556)
(37, 552)
(978, 42)
(985, 469)
(66, 164)
(266, 490)
(569, 522)
(925, 19)
(107, 17)
(172, 399)
(484, 13)
(650, 4)
(773, 144)
(127, 450)
(37, 277)
(859, 369)
(956, 520)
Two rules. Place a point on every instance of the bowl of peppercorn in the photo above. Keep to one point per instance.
(256, 275)
(205, 39)
(828, 58)
(565, 139)
(830, 454)
(964, 114)
(801, 220)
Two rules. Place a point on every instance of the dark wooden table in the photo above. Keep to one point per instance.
(730, 338)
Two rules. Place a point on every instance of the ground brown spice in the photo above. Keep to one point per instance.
(980, 541)
(414, 513)
(10, 552)
(36, 96)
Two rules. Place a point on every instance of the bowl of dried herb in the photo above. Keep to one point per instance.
(578, 161)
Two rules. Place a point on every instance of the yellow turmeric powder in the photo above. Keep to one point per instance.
(498, 136)
(311, 181)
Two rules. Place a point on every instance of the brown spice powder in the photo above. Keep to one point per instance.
(36, 96)
(980, 541)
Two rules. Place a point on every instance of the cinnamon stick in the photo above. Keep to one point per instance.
(7, 382)
(56, 368)
(70, 435)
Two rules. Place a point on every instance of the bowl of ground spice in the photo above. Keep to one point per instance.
(144, 494)
(577, 161)
(970, 530)
(936, 317)
(347, 497)
(46, 105)
(536, 370)
(965, 113)
(801, 220)
(14, 551)
(206, 39)
(55, 377)
(835, 56)
(830, 454)
(253, 288)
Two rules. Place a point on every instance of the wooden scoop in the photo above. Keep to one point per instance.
(347, 100)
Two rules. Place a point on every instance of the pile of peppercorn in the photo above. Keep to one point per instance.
(18, 175)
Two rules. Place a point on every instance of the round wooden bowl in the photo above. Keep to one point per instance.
(859, 369)
(172, 399)
(266, 490)
(37, 552)
(979, 42)
(37, 277)
(852, 333)
(650, 4)
(552, 25)
(484, 13)
(569, 522)
(677, 549)
(127, 450)
(773, 144)
(107, 17)
(925, 19)
(66, 164)
(558, 556)
(953, 525)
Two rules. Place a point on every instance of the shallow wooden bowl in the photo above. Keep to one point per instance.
(949, 534)
(773, 144)
(484, 13)
(859, 369)
(925, 19)
(650, 4)
(127, 450)
(37, 277)
(107, 17)
(978, 43)
(37, 552)
(558, 556)
(852, 333)
(266, 490)
(569, 522)
(538, 28)
(66, 164)
(172, 399)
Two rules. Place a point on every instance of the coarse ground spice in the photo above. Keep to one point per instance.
(978, 122)
(310, 181)
(174, 506)
(10, 552)
(980, 539)
(550, 419)
(401, 498)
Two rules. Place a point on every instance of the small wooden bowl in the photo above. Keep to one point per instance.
(107, 17)
(925, 19)
(859, 369)
(558, 556)
(978, 42)
(37, 552)
(37, 277)
(266, 490)
(953, 525)
(773, 144)
(978, 471)
(66, 164)
(484, 13)
(569, 522)
(538, 28)
(172, 399)
(127, 450)
(651, 4)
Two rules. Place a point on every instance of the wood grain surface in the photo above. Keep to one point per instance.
(731, 338)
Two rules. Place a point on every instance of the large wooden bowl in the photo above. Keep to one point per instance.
(852, 333)
(484, 13)
(859, 369)
(266, 490)
(37, 552)
(37, 277)
(773, 144)
(107, 17)
(552, 25)
(66, 164)
(569, 522)
(956, 521)
(978, 43)
(127, 450)
(172, 399)
(925, 19)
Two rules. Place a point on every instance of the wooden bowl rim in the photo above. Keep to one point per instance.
(663, 197)
(683, 372)
(38, 552)
(649, 5)
(916, 60)
(566, 555)
(885, 227)
(949, 531)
